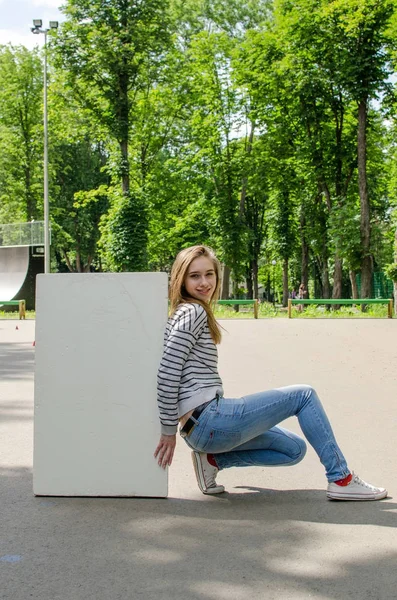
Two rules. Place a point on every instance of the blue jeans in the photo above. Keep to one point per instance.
(243, 432)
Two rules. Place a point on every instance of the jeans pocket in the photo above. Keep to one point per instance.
(220, 441)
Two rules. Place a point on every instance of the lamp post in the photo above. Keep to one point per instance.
(36, 29)
(274, 262)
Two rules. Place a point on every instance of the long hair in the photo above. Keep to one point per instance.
(178, 293)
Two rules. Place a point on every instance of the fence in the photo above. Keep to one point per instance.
(382, 287)
(22, 234)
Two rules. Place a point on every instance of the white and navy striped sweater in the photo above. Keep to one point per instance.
(188, 374)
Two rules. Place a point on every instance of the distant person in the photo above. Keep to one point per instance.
(293, 294)
(233, 432)
(302, 294)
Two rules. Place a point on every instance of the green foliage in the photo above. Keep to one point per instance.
(105, 47)
(229, 123)
(232, 17)
(21, 134)
(124, 234)
(391, 271)
(213, 113)
(79, 199)
(108, 50)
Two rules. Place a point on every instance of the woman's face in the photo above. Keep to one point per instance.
(200, 281)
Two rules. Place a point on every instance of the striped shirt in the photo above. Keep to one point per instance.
(188, 374)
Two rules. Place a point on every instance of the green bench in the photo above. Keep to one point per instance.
(338, 301)
(242, 302)
(20, 303)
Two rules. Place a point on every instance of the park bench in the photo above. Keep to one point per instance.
(20, 303)
(241, 302)
(338, 301)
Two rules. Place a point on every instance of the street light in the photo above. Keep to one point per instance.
(36, 29)
(274, 262)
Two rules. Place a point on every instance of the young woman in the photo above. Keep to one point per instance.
(233, 432)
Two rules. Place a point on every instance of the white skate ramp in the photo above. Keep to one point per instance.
(14, 264)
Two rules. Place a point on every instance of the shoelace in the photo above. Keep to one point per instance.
(358, 481)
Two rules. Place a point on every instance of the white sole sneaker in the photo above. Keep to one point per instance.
(205, 474)
(356, 490)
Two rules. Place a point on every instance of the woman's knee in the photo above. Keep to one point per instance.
(309, 393)
(300, 450)
(309, 389)
(303, 389)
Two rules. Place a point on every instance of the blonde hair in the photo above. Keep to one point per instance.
(178, 293)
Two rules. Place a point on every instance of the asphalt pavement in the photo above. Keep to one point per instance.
(272, 535)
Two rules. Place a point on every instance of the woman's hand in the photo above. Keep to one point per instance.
(165, 450)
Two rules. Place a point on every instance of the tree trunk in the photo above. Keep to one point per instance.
(255, 277)
(353, 282)
(318, 284)
(69, 264)
(235, 294)
(325, 257)
(125, 169)
(88, 264)
(395, 297)
(244, 182)
(268, 288)
(366, 277)
(285, 282)
(337, 288)
(305, 251)
(123, 126)
(249, 283)
(395, 282)
(365, 224)
(305, 264)
(78, 262)
(225, 282)
(325, 279)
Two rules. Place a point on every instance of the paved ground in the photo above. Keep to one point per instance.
(272, 536)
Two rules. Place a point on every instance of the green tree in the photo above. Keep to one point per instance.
(21, 134)
(214, 116)
(79, 183)
(311, 79)
(107, 50)
(362, 29)
(255, 206)
(81, 199)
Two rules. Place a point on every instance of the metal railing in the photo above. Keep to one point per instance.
(22, 234)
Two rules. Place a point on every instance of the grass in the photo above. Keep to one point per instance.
(30, 314)
(374, 311)
(268, 311)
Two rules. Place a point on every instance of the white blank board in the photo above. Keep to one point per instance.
(99, 341)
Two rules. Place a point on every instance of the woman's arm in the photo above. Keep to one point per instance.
(184, 329)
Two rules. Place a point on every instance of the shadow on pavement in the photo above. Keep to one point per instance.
(16, 362)
(249, 543)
